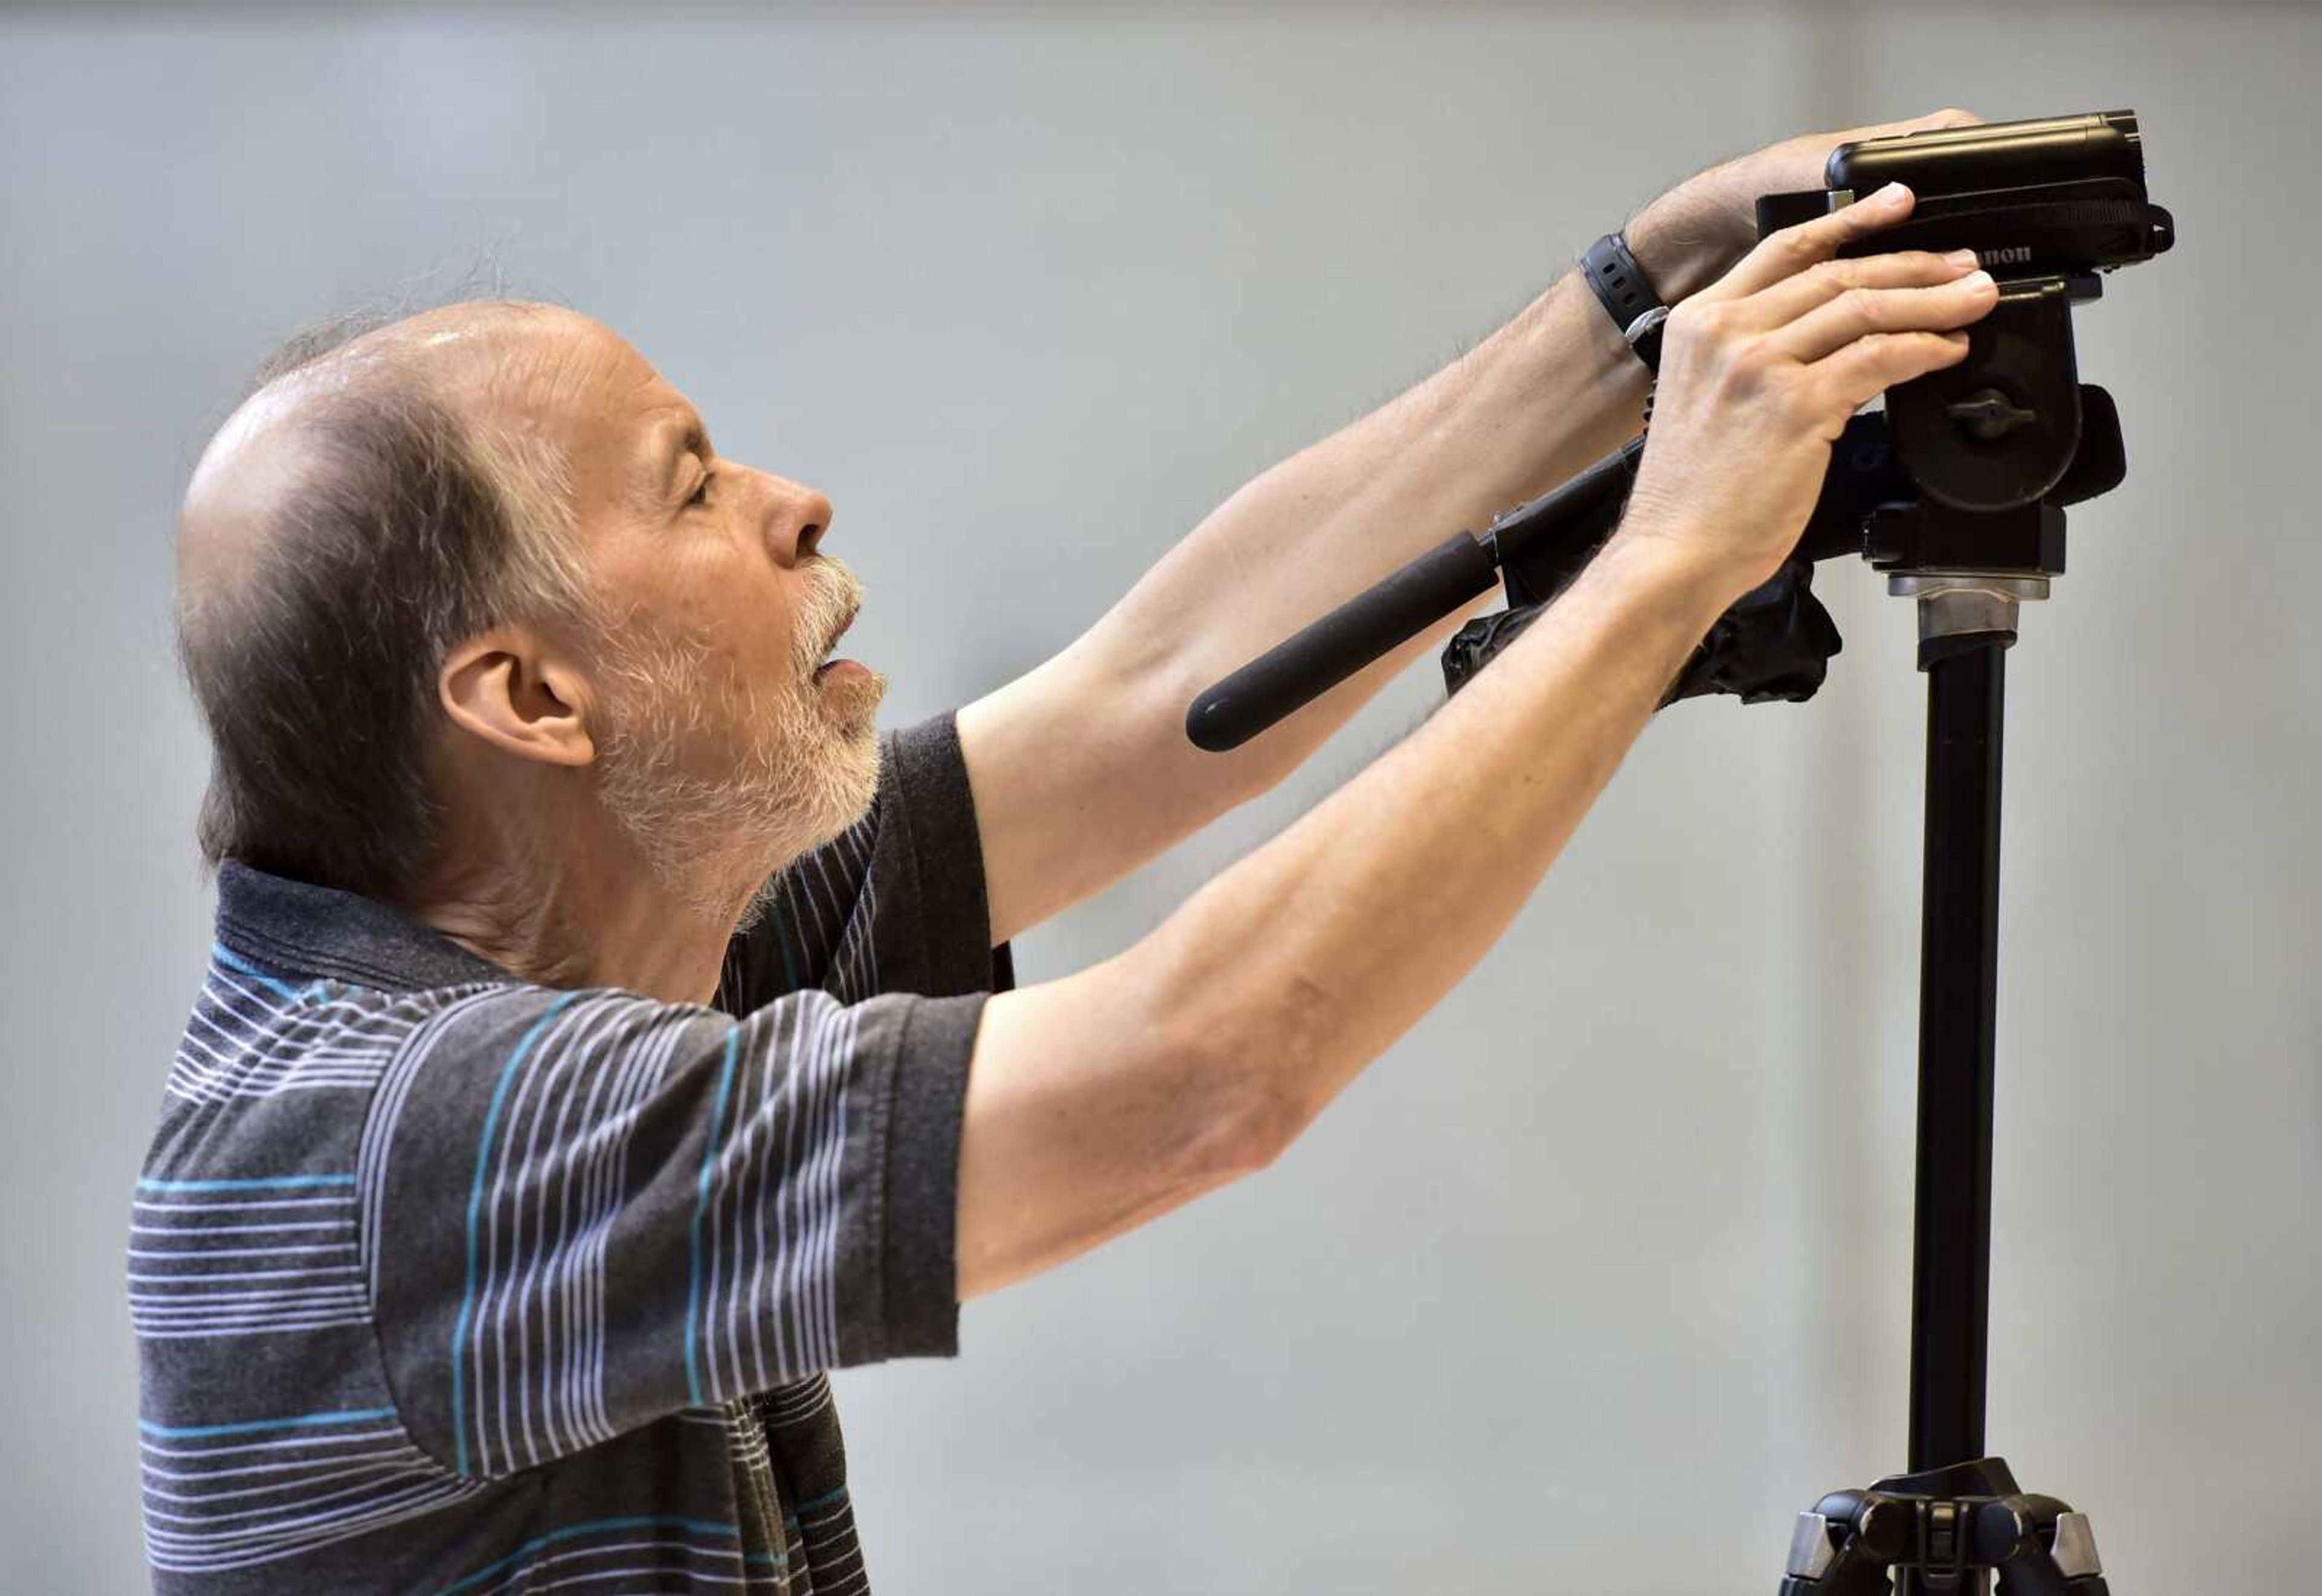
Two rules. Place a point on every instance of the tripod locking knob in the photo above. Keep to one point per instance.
(1988, 416)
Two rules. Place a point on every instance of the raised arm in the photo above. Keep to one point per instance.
(1081, 767)
(1100, 1100)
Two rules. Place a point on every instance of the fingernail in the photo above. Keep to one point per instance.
(1894, 194)
(1976, 280)
(1962, 259)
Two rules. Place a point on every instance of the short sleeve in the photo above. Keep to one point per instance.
(897, 904)
(603, 1209)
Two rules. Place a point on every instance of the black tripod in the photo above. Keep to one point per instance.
(1998, 445)
(1958, 492)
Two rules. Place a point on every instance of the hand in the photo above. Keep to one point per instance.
(1692, 235)
(1760, 371)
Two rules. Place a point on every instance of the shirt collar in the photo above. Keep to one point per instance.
(297, 928)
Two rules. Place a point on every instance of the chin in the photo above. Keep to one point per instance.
(844, 779)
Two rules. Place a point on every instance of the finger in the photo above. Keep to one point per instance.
(1790, 251)
(1793, 296)
(1933, 120)
(1857, 374)
(1837, 321)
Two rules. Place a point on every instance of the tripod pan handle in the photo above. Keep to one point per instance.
(1299, 669)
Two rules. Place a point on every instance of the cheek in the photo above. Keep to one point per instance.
(745, 620)
(772, 640)
(663, 587)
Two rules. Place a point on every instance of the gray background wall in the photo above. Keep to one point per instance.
(1603, 1274)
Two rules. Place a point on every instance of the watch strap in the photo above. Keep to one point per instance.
(1622, 288)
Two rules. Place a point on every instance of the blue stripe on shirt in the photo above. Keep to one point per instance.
(246, 1183)
(190, 1432)
(219, 952)
(601, 1526)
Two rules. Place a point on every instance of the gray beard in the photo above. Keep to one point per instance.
(717, 784)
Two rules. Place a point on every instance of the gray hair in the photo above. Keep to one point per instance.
(409, 528)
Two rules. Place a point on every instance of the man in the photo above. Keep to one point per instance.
(477, 1251)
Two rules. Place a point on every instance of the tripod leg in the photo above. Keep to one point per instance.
(2058, 1556)
(1821, 1565)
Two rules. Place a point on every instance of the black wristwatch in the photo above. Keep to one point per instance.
(1627, 298)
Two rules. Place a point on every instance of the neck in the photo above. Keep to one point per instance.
(594, 915)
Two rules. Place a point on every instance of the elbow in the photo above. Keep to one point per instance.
(1258, 1088)
(1250, 1124)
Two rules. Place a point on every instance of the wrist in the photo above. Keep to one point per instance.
(1676, 251)
(1682, 564)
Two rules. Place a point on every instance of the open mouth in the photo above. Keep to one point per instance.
(830, 660)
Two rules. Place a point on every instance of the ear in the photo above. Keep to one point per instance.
(520, 694)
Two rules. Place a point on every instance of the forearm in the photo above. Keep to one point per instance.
(1199, 1052)
(1320, 950)
(1099, 1100)
(1543, 397)
(1546, 396)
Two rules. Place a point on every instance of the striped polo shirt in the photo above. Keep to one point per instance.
(444, 1282)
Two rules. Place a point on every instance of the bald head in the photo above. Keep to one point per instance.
(468, 567)
(489, 367)
(376, 499)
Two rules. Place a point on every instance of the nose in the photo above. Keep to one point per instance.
(796, 518)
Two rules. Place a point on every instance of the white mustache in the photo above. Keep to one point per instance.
(829, 608)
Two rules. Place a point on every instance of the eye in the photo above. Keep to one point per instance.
(701, 491)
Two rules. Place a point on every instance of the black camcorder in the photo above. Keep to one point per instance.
(1966, 470)
(2062, 194)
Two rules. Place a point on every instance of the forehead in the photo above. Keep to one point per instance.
(624, 428)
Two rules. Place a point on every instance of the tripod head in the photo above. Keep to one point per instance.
(1957, 489)
(2046, 205)
(1997, 445)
